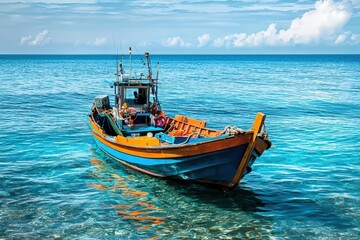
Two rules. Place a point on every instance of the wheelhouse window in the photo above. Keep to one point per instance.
(136, 97)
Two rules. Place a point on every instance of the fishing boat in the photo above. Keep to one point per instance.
(136, 132)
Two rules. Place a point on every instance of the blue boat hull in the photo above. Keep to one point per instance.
(217, 167)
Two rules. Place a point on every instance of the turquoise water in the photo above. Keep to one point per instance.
(56, 184)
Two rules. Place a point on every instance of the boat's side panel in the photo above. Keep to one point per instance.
(215, 167)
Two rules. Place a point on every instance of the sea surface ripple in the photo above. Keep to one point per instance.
(56, 184)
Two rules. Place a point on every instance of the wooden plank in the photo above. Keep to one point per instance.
(258, 122)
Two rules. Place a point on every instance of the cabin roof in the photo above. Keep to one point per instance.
(135, 83)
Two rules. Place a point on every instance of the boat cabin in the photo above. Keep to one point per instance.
(136, 110)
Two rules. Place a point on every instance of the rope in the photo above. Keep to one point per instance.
(265, 136)
(233, 130)
(187, 139)
(263, 133)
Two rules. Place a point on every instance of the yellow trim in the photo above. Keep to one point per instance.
(138, 141)
(258, 123)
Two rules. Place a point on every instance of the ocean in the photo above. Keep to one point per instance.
(56, 184)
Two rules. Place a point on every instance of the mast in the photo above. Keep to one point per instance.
(148, 63)
(154, 85)
(116, 83)
(130, 63)
(117, 66)
(156, 88)
(121, 73)
(157, 70)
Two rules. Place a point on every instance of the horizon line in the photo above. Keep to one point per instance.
(230, 54)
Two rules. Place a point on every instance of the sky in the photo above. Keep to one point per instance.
(180, 26)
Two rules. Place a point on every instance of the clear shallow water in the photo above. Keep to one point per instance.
(56, 184)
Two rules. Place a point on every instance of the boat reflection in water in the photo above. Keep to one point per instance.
(162, 209)
(135, 205)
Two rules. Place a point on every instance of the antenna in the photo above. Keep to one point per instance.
(130, 63)
(122, 65)
(148, 65)
(115, 84)
(157, 70)
(156, 88)
(117, 63)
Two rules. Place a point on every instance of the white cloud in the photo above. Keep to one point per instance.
(327, 18)
(99, 41)
(175, 41)
(267, 37)
(347, 37)
(341, 38)
(25, 40)
(40, 39)
(325, 22)
(203, 39)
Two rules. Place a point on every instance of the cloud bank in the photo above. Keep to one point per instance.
(321, 23)
(324, 23)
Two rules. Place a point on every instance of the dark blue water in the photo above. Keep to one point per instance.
(56, 184)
